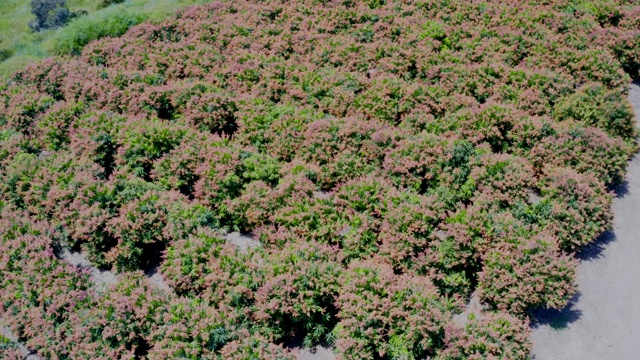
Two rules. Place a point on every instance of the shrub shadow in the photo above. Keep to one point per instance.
(556, 319)
(621, 189)
(151, 271)
(594, 250)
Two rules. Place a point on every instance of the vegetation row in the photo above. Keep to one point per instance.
(393, 158)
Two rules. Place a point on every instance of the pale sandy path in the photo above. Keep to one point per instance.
(604, 321)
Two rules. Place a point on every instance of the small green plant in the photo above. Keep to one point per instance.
(5, 54)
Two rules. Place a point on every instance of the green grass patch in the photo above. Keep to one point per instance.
(19, 46)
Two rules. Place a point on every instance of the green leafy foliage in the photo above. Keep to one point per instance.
(73, 38)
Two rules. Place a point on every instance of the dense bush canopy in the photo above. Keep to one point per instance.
(49, 14)
(393, 158)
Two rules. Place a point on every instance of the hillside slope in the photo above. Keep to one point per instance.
(19, 46)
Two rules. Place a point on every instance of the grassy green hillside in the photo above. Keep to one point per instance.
(19, 46)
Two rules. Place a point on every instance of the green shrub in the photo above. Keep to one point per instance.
(121, 323)
(277, 129)
(17, 179)
(53, 126)
(111, 22)
(259, 204)
(6, 345)
(6, 53)
(186, 260)
(626, 49)
(606, 12)
(145, 141)
(212, 112)
(146, 225)
(425, 161)
(595, 105)
(506, 178)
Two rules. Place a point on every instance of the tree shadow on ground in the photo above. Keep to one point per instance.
(556, 319)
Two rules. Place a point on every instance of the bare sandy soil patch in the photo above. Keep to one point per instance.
(317, 353)
(101, 279)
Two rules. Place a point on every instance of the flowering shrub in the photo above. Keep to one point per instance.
(190, 329)
(217, 176)
(10, 350)
(505, 178)
(581, 149)
(299, 292)
(523, 274)
(415, 161)
(345, 149)
(488, 123)
(176, 170)
(407, 228)
(315, 220)
(121, 323)
(577, 208)
(186, 260)
(39, 292)
(259, 203)
(145, 225)
(380, 316)
(594, 105)
(492, 335)
(277, 128)
(390, 157)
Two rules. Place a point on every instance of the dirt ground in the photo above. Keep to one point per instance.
(603, 321)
